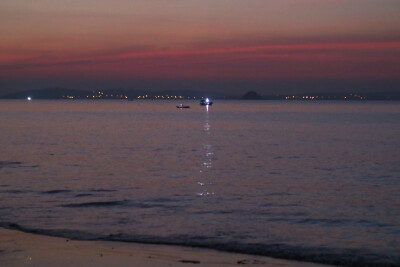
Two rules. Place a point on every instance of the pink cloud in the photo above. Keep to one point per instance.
(320, 60)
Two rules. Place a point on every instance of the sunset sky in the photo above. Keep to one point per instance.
(223, 45)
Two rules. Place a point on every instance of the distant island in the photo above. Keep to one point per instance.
(131, 94)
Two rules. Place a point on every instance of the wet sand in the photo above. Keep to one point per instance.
(24, 249)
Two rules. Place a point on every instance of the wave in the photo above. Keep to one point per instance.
(86, 193)
(328, 222)
(102, 190)
(16, 164)
(9, 164)
(324, 255)
(56, 191)
(143, 205)
(83, 195)
(94, 204)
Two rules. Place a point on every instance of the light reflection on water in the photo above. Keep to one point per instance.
(302, 175)
(206, 174)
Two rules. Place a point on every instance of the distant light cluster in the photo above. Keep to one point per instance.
(97, 95)
(166, 96)
(325, 97)
(105, 95)
(101, 94)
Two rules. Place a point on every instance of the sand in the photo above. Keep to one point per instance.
(23, 249)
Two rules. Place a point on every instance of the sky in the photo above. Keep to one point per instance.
(232, 46)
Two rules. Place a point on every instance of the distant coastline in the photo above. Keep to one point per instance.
(128, 94)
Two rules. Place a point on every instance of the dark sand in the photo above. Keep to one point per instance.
(24, 249)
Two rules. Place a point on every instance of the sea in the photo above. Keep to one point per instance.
(315, 181)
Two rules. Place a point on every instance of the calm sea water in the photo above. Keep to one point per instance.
(315, 181)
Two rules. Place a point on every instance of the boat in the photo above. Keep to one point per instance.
(206, 102)
(182, 106)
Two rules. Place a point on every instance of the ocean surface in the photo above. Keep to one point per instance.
(311, 181)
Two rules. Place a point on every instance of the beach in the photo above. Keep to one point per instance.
(24, 249)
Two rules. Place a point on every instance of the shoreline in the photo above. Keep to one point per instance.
(19, 248)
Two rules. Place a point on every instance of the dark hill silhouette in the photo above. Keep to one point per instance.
(251, 95)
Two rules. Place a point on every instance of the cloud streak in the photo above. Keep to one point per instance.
(324, 60)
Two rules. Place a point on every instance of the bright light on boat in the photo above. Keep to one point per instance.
(29, 98)
(207, 100)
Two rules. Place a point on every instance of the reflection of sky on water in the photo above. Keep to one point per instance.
(205, 177)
